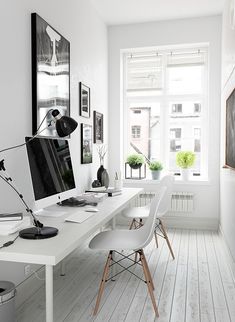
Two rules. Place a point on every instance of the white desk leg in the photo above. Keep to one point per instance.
(113, 271)
(62, 268)
(49, 293)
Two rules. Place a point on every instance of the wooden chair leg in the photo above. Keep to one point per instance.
(150, 289)
(104, 277)
(156, 239)
(166, 238)
(132, 223)
(148, 271)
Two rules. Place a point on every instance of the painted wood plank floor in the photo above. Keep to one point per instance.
(196, 286)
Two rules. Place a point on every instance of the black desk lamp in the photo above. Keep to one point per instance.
(64, 126)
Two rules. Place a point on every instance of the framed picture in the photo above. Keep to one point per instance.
(84, 94)
(50, 73)
(86, 143)
(230, 132)
(98, 127)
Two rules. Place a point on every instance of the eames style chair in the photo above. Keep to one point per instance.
(137, 214)
(117, 241)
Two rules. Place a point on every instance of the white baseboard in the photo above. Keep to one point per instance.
(28, 287)
(181, 222)
(228, 253)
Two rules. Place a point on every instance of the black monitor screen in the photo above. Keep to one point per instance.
(50, 166)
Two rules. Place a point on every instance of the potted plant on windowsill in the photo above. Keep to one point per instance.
(155, 167)
(135, 161)
(185, 160)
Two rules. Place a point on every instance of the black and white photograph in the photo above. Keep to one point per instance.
(50, 73)
(98, 127)
(86, 143)
(84, 94)
(230, 131)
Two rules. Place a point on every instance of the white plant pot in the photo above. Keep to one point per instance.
(156, 174)
(185, 174)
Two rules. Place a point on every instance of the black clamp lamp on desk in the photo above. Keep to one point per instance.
(64, 125)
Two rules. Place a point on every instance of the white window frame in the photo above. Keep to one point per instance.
(164, 100)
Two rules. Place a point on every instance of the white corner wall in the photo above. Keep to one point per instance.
(77, 21)
(227, 176)
(166, 33)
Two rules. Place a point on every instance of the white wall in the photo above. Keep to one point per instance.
(227, 187)
(77, 21)
(165, 33)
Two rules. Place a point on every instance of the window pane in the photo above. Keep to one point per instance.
(185, 132)
(185, 80)
(144, 129)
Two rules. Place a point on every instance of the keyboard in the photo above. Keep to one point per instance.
(79, 217)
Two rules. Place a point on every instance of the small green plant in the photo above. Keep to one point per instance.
(135, 160)
(185, 159)
(155, 166)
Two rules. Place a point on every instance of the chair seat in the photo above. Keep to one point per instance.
(137, 212)
(118, 240)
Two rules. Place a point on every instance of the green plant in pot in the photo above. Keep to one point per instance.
(135, 161)
(155, 167)
(185, 160)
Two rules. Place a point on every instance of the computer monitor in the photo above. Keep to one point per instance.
(51, 171)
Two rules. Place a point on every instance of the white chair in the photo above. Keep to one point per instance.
(137, 214)
(117, 241)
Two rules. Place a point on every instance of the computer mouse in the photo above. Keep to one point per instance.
(91, 209)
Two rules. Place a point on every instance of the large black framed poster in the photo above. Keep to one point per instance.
(230, 132)
(50, 74)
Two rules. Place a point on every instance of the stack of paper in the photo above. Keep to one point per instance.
(10, 227)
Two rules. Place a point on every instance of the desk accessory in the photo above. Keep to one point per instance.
(64, 126)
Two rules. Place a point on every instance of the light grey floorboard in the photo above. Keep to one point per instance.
(197, 286)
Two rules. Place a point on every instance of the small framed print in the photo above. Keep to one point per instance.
(86, 143)
(98, 127)
(84, 94)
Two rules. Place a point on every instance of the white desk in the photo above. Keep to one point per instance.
(50, 252)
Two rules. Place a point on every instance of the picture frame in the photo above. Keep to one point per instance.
(230, 132)
(50, 74)
(84, 100)
(98, 121)
(86, 143)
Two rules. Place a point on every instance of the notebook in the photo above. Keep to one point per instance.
(79, 217)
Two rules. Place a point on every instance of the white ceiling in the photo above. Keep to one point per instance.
(115, 12)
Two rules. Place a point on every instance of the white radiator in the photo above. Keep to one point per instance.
(180, 201)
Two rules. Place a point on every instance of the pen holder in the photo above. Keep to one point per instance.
(118, 184)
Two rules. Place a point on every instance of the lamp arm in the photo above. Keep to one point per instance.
(37, 223)
(22, 144)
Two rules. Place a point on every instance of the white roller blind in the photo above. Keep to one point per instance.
(186, 59)
(144, 72)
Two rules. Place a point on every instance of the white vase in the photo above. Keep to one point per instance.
(185, 174)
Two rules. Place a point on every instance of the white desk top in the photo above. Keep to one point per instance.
(51, 251)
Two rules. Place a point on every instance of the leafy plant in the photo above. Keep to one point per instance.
(185, 159)
(155, 166)
(135, 160)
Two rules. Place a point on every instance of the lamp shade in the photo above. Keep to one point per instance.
(65, 125)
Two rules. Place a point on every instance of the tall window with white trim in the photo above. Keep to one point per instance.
(165, 104)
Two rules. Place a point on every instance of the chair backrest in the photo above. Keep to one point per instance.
(167, 181)
(146, 231)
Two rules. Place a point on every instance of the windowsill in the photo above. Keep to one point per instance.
(178, 181)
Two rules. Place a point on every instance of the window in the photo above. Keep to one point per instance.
(165, 95)
(135, 129)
